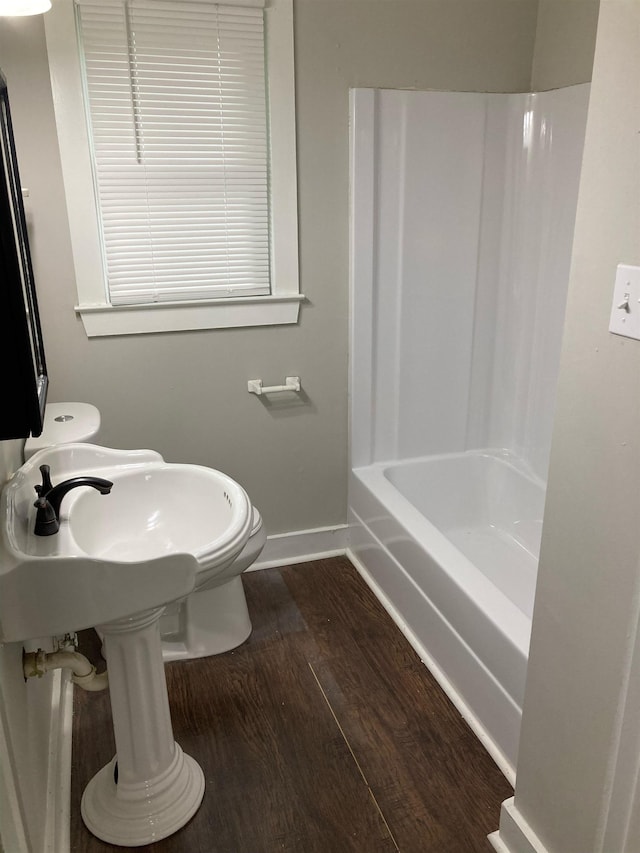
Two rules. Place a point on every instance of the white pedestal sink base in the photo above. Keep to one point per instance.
(158, 788)
(134, 815)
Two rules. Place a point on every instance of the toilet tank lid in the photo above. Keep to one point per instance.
(65, 423)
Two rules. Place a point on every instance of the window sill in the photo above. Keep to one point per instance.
(104, 320)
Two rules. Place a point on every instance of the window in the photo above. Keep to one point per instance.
(180, 184)
(178, 125)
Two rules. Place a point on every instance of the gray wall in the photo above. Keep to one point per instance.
(565, 42)
(587, 598)
(10, 459)
(184, 394)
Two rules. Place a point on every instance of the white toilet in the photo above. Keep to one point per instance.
(65, 423)
(213, 619)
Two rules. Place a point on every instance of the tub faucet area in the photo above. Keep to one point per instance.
(50, 498)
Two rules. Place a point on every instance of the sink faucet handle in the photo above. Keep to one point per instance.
(46, 518)
(47, 485)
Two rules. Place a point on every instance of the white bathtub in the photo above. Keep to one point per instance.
(451, 543)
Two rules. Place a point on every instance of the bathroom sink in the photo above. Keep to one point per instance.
(159, 510)
(161, 531)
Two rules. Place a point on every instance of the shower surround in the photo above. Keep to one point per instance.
(463, 210)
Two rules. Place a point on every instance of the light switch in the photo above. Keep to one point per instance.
(625, 312)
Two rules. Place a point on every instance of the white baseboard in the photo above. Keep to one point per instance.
(496, 842)
(58, 816)
(301, 546)
(515, 835)
(13, 827)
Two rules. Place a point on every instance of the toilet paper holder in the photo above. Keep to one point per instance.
(291, 383)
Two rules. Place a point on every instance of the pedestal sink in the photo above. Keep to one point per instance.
(114, 564)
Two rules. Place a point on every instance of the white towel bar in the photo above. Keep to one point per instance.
(255, 386)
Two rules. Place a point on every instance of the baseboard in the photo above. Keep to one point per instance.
(515, 835)
(58, 816)
(301, 546)
(496, 843)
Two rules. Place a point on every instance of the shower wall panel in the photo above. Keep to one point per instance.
(428, 204)
(545, 143)
(474, 200)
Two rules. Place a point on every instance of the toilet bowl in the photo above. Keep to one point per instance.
(214, 617)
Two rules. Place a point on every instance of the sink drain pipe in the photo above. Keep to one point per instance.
(35, 664)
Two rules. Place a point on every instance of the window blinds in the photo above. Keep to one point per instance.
(177, 115)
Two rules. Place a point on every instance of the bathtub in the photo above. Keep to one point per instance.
(450, 544)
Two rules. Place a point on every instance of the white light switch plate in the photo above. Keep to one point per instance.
(625, 311)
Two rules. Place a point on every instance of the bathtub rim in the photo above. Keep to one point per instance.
(506, 615)
(502, 454)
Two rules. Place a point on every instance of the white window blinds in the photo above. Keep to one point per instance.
(177, 115)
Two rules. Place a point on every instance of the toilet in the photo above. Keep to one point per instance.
(64, 423)
(212, 619)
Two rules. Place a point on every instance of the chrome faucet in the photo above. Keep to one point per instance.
(50, 497)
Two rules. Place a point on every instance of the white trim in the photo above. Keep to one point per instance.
(618, 823)
(302, 546)
(515, 835)
(75, 156)
(186, 3)
(99, 317)
(361, 272)
(102, 320)
(58, 817)
(496, 843)
(283, 174)
(13, 829)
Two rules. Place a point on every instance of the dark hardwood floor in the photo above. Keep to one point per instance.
(323, 733)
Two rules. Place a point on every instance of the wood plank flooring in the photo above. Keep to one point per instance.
(323, 733)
